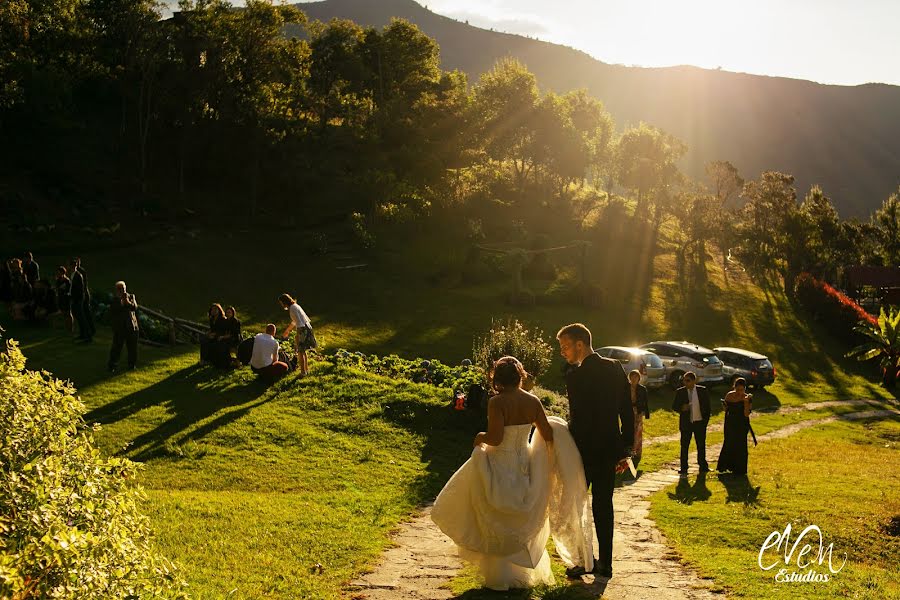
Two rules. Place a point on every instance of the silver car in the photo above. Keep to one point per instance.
(653, 372)
(681, 357)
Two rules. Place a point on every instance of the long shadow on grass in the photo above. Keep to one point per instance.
(191, 395)
(685, 493)
(740, 489)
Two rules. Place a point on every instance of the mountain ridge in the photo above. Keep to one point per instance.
(844, 138)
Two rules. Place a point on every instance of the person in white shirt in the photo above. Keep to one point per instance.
(264, 361)
(305, 339)
(692, 404)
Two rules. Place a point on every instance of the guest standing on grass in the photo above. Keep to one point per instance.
(641, 410)
(81, 302)
(21, 291)
(264, 361)
(305, 339)
(692, 404)
(31, 269)
(5, 282)
(64, 296)
(733, 456)
(123, 317)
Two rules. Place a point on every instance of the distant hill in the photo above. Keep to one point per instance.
(846, 139)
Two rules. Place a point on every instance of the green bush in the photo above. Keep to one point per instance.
(432, 372)
(69, 520)
(512, 338)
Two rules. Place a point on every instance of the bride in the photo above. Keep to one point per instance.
(516, 490)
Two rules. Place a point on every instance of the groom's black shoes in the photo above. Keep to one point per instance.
(575, 572)
(602, 571)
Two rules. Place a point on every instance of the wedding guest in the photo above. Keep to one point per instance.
(264, 361)
(80, 296)
(641, 409)
(31, 269)
(43, 301)
(232, 327)
(305, 339)
(20, 289)
(64, 296)
(123, 317)
(692, 404)
(5, 282)
(210, 343)
(733, 456)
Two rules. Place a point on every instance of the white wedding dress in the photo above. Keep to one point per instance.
(503, 504)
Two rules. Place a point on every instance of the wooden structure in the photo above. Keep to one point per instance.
(879, 285)
(187, 329)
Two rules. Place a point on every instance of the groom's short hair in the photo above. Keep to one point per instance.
(577, 332)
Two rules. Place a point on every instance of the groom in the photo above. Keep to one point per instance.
(598, 398)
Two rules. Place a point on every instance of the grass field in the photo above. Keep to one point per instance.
(289, 491)
(842, 477)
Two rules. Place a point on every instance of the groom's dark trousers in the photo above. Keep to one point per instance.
(598, 400)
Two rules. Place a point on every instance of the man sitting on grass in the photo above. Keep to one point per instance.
(264, 361)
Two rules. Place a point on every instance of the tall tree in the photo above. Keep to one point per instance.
(887, 219)
(506, 98)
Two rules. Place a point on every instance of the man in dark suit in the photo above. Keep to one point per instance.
(598, 400)
(123, 316)
(80, 295)
(692, 404)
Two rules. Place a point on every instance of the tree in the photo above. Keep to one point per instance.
(887, 219)
(725, 183)
(647, 160)
(505, 99)
(823, 232)
(775, 230)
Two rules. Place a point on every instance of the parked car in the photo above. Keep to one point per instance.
(653, 372)
(681, 357)
(757, 369)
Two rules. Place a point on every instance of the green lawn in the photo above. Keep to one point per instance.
(251, 488)
(842, 477)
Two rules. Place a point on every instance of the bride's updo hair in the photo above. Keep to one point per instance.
(508, 372)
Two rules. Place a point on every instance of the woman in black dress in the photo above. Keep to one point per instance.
(733, 456)
(64, 296)
(211, 345)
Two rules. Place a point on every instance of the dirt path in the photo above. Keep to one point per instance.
(423, 560)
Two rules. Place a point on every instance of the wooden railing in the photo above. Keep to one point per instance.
(191, 330)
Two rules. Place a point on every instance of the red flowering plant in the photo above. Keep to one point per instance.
(832, 306)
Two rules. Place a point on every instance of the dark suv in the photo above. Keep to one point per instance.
(757, 369)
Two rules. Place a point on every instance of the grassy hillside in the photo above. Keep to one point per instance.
(291, 490)
(842, 138)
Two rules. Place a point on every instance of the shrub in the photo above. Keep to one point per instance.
(433, 372)
(512, 338)
(834, 308)
(69, 520)
(362, 237)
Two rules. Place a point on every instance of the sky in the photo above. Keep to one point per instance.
(846, 42)
(830, 41)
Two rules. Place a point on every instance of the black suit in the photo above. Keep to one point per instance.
(690, 428)
(80, 295)
(123, 316)
(598, 399)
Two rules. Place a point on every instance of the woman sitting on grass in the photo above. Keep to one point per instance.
(213, 348)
